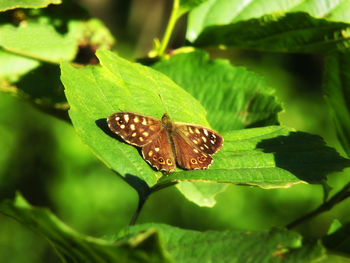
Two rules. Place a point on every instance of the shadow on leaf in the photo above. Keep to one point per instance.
(304, 155)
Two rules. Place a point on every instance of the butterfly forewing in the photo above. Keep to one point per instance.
(201, 138)
(134, 128)
(159, 154)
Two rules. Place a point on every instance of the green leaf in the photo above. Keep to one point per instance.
(217, 12)
(268, 157)
(39, 41)
(276, 245)
(291, 32)
(339, 239)
(75, 247)
(10, 4)
(201, 193)
(46, 35)
(336, 87)
(94, 93)
(234, 97)
(13, 66)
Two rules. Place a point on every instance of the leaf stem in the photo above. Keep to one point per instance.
(142, 200)
(169, 29)
(326, 206)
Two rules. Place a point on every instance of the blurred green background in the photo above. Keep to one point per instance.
(43, 158)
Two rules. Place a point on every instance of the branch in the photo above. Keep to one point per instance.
(326, 206)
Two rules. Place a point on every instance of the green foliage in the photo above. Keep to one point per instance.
(271, 25)
(192, 86)
(276, 245)
(160, 243)
(233, 97)
(337, 93)
(9, 4)
(295, 32)
(35, 47)
(75, 247)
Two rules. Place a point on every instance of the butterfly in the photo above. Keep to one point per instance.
(166, 143)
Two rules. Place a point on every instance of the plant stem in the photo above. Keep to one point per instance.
(142, 200)
(169, 29)
(326, 206)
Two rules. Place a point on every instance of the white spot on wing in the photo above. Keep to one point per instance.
(126, 117)
(132, 127)
(156, 149)
(205, 132)
(133, 135)
(122, 126)
(204, 139)
(144, 122)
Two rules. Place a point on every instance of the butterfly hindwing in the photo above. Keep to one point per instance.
(189, 157)
(199, 137)
(159, 154)
(134, 128)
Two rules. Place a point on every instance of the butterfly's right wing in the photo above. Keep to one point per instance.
(133, 128)
(189, 157)
(158, 153)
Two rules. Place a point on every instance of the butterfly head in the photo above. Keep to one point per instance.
(167, 123)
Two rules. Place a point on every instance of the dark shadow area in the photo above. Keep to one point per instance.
(304, 155)
(86, 54)
(43, 83)
(143, 190)
(339, 240)
(102, 124)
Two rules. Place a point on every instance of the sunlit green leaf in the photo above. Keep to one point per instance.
(11, 4)
(12, 66)
(291, 32)
(276, 245)
(75, 247)
(38, 41)
(268, 157)
(336, 87)
(94, 93)
(297, 29)
(234, 97)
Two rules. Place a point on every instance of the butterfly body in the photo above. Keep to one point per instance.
(165, 142)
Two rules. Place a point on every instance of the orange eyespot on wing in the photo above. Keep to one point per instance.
(158, 153)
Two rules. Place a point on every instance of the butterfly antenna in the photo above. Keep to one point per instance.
(161, 99)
